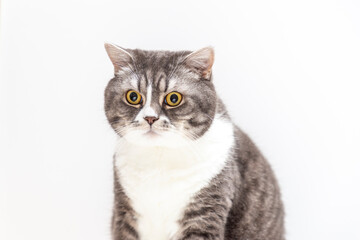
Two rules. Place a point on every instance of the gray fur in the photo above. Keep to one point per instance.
(243, 201)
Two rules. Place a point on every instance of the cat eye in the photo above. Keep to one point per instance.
(133, 97)
(173, 99)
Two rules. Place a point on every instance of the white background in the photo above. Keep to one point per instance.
(287, 70)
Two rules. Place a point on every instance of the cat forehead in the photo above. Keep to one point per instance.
(164, 70)
(159, 81)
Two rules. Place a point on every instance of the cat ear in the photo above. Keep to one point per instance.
(202, 61)
(118, 56)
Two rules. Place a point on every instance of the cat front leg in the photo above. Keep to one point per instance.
(205, 219)
(206, 215)
(124, 220)
(204, 223)
(123, 227)
(201, 235)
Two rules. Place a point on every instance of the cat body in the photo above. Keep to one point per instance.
(182, 169)
(166, 186)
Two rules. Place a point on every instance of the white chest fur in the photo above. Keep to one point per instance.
(160, 182)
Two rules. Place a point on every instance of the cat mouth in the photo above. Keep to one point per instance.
(151, 133)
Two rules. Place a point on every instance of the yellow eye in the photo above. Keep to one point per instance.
(173, 99)
(133, 97)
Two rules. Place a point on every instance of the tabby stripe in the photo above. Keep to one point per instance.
(192, 234)
(194, 123)
(130, 229)
(200, 212)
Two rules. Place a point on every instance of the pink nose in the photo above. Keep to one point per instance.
(151, 120)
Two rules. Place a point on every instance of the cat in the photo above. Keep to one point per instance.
(182, 169)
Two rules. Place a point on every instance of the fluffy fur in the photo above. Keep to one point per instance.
(191, 174)
(161, 187)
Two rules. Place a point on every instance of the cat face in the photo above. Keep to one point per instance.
(160, 98)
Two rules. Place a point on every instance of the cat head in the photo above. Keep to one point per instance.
(160, 98)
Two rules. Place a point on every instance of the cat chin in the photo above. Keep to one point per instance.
(154, 138)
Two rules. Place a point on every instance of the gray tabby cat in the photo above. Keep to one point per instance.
(182, 169)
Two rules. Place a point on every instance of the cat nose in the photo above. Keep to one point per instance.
(151, 120)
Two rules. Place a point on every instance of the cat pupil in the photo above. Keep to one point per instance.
(173, 98)
(133, 96)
